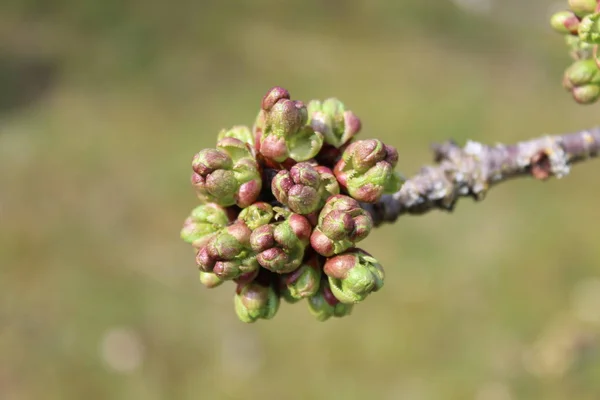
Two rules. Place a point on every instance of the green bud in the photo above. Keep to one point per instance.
(209, 279)
(282, 130)
(366, 170)
(353, 275)
(331, 119)
(565, 22)
(304, 188)
(589, 29)
(304, 281)
(280, 245)
(325, 305)
(582, 79)
(258, 214)
(583, 7)
(342, 223)
(227, 175)
(203, 221)
(254, 301)
(228, 254)
(239, 132)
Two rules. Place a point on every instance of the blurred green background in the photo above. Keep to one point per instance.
(103, 104)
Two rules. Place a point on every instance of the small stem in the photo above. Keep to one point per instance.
(470, 171)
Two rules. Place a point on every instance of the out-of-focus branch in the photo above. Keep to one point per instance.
(471, 170)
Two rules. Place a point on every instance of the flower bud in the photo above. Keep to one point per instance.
(366, 170)
(282, 131)
(228, 254)
(274, 148)
(304, 188)
(203, 221)
(227, 175)
(565, 22)
(353, 275)
(304, 281)
(273, 96)
(331, 119)
(586, 94)
(255, 301)
(210, 160)
(582, 79)
(583, 7)
(258, 214)
(325, 305)
(209, 279)
(589, 29)
(280, 245)
(342, 223)
(287, 116)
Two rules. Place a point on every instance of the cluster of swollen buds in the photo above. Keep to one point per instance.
(581, 27)
(281, 212)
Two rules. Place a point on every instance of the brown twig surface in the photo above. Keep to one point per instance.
(471, 170)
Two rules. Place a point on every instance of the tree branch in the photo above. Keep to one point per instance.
(470, 171)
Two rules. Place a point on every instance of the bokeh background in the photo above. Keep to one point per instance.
(103, 104)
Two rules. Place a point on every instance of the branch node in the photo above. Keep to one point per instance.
(540, 166)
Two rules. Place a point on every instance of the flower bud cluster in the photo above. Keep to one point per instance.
(581, 27)
(281, 213)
